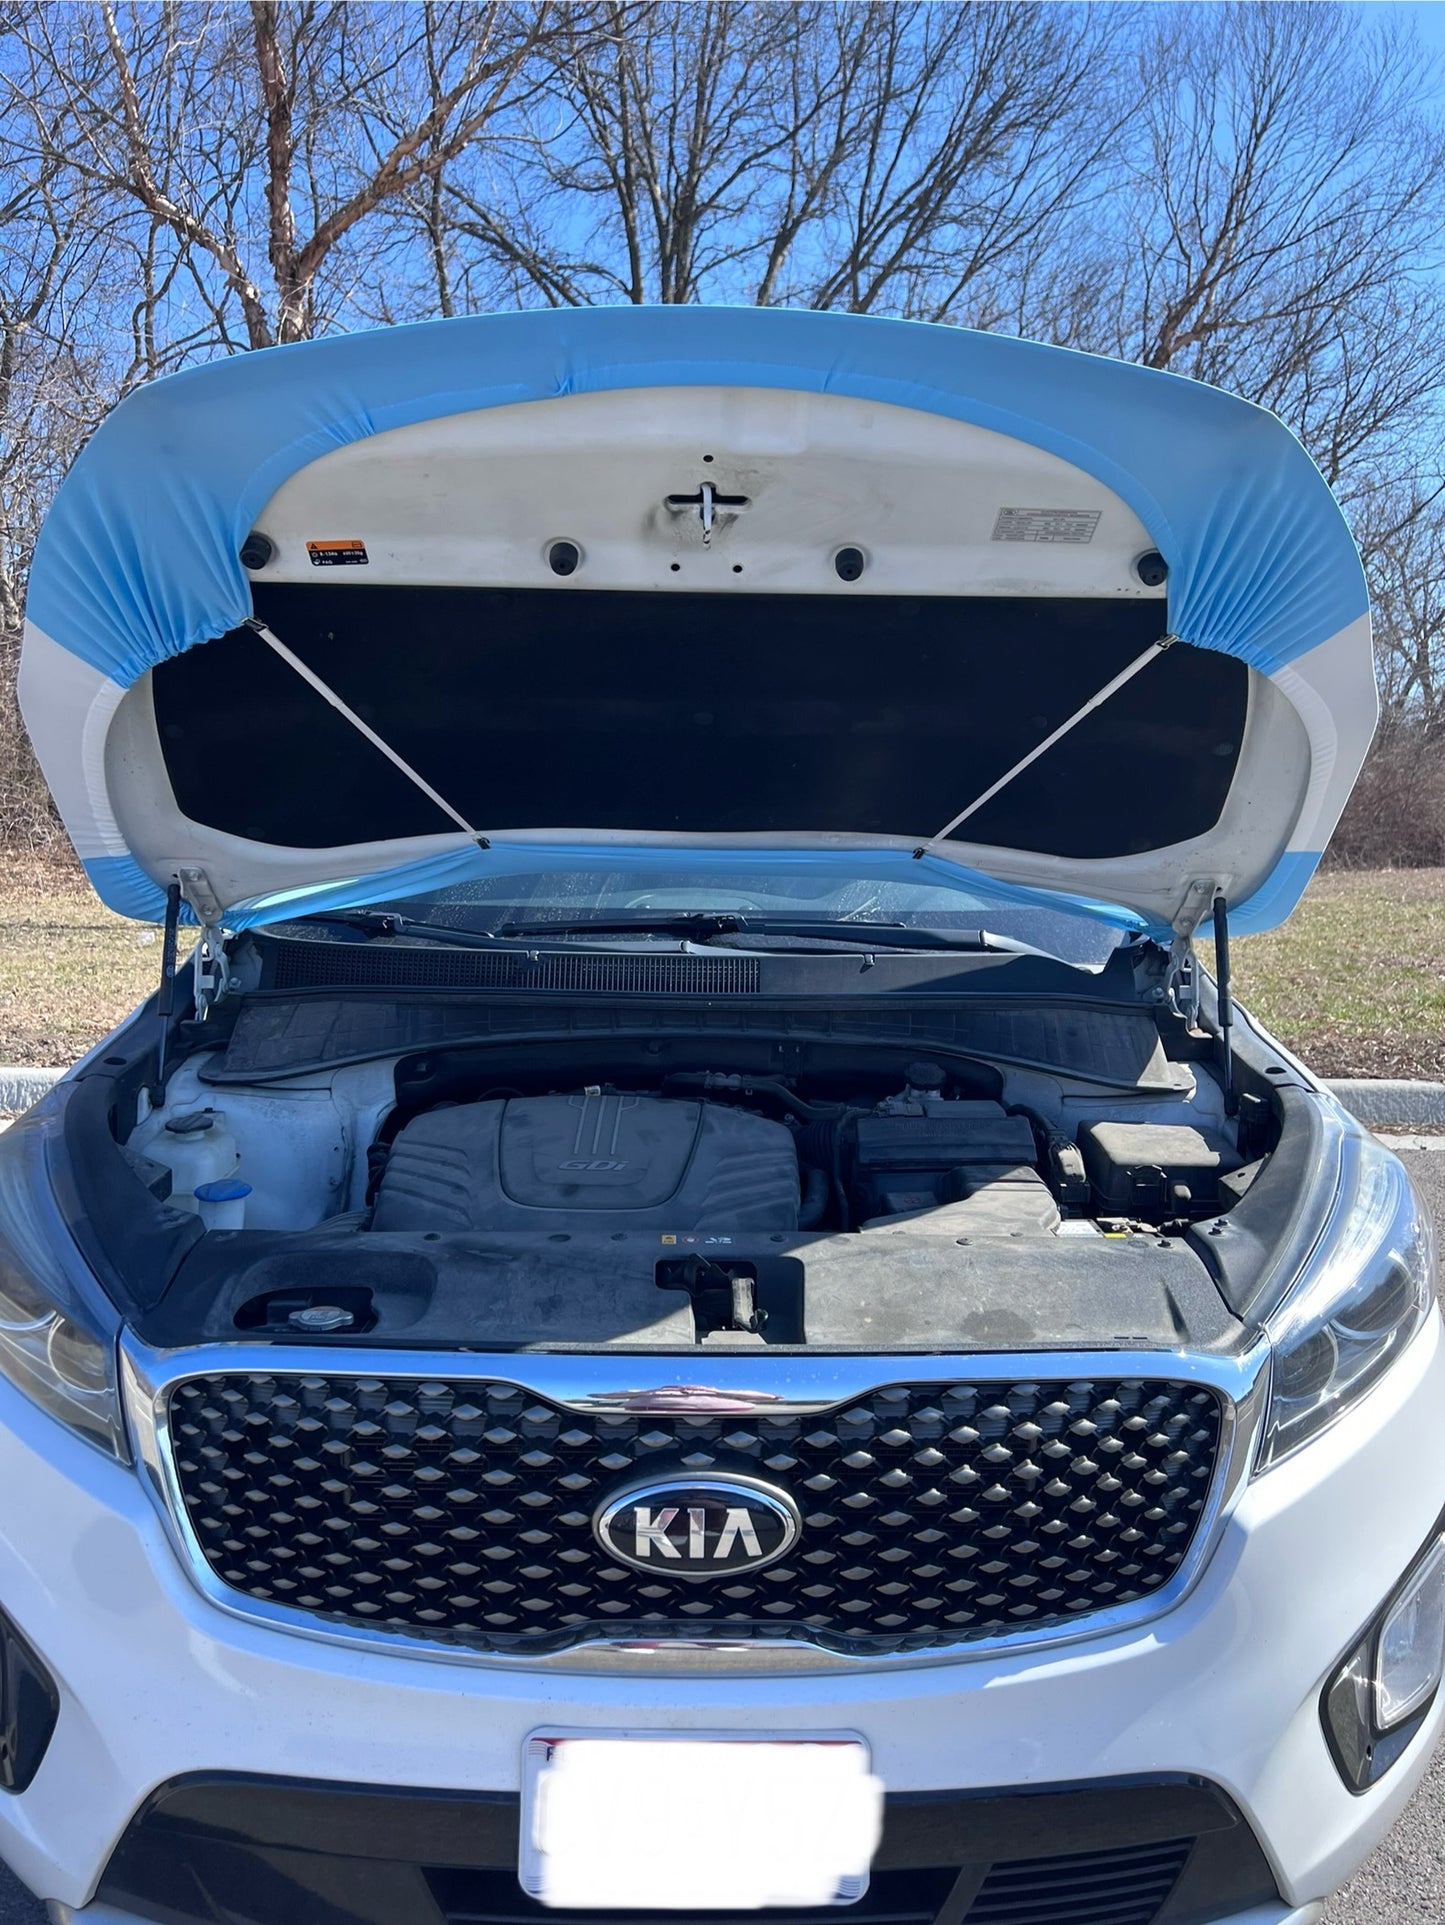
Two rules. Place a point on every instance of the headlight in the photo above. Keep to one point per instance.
(57, 1328)
(1366, 1290)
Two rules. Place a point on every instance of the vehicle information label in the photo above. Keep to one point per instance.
(1046, 524)
(337, 554)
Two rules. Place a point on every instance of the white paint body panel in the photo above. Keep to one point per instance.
(156, 1682)
(480, 497)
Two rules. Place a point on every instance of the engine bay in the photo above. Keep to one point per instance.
(724, 1151)
(857, 1197)
(602, 1159)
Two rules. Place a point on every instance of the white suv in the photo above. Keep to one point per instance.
(692, 1301)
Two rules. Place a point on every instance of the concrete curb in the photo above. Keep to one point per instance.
(1387, 1102)
(20, 1087)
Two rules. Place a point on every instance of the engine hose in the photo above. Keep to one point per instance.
(814, 1206)
(724, 1081)
(821, 1145)
(840, 1190)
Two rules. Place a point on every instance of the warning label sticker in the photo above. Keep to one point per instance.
(337, 554)
(1046, 524)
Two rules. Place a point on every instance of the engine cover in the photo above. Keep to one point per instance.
(597, 1160)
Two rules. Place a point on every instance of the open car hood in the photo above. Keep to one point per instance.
(660, 583)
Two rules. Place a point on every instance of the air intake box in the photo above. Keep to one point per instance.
(904, 1162)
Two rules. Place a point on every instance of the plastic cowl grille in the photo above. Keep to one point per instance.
(462, 1512)
(351, 965)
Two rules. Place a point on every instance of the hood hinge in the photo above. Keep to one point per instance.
(209, 966)
(1197, 903)
(1184, 980)
(1183, 964)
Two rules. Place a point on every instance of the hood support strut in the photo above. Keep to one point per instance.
(1225, 997)
(166, 994)
(328, 694)
(1126, 674)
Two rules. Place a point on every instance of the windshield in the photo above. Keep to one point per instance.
(619, 896)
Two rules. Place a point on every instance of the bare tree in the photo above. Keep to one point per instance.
(1402, 537)
(637, 175)
(262, 137)
(1278, 226)
(877, 157)
(1249, 193)
(54, 387)
(971, 138)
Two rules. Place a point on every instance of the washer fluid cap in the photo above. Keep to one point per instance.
(228, 1189)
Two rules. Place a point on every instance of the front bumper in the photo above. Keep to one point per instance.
(103, 1914)
(1124, 1852)
(156, 1684)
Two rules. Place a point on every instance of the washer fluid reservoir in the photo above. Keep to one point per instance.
(198, 1150)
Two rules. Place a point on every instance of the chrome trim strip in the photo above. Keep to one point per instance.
(647, 1384)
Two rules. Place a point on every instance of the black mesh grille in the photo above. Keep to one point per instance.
(357, 965)
(1123, 1886)
(1086, 1888)
(463, 1512)
(495, 1898)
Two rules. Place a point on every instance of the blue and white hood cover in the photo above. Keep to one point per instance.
(350, 620)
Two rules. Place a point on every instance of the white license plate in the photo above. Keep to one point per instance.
(699, 1822)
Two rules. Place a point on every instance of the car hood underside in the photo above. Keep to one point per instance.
(693, 581)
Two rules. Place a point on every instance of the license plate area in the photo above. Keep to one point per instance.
(710, 1822)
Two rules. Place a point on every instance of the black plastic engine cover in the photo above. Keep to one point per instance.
(596, 1160)
(905, 1163)
(1151, 1170)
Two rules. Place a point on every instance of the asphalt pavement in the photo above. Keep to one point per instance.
(1402, 1884)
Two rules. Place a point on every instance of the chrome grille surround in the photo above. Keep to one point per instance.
(600, 1387)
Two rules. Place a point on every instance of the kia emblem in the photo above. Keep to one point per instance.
(698, 1526)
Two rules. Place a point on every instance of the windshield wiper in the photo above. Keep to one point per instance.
(698, 927)
(377, 923)
(708, 926)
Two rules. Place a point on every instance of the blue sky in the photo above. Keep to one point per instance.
(1427, 17)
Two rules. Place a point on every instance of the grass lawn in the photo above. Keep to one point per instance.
(1354, 982)
(69, 970)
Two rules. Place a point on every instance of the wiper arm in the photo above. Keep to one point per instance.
(896, 935)
(709, 926)
(687, 927)
(702, 927)
(376, 923)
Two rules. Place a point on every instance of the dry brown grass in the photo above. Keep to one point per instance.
(1354, 982)
(69, 969)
